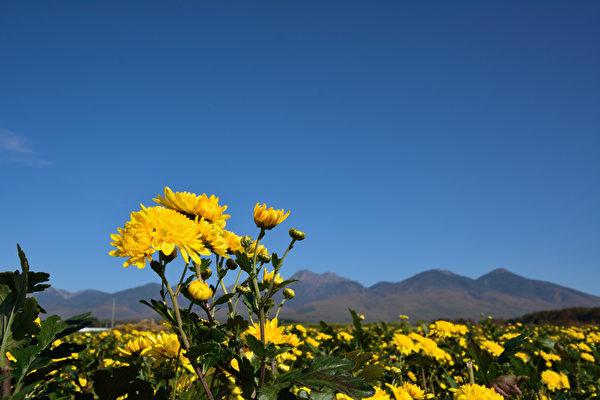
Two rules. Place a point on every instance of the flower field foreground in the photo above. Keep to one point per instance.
(250, 354)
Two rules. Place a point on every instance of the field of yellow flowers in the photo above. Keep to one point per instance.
(401, 361)
(249, 354)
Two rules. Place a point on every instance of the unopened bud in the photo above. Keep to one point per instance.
(231, 264)
(288, 293)
(246, 242)
(206, 274)
(297, 235)
(264, 258)
(243, 289)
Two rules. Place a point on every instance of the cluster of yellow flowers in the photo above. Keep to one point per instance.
(195, 225)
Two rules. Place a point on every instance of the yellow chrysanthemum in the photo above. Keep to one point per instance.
(200, 290)
(492, 347)
(415, 392)
(233, 241)
(555, 380)
(399, 392)
(157, 229)
(447, 329)
(380, 394)
(161, 346)
(133, 241)
(212, 237)
(268, 276)
(268, 218)
(195, 206)
(587, 357)
(134, 346)
(403, 343)
(262, 250)
(476, 392)
(273, 333)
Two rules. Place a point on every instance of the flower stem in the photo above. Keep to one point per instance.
(184, 338)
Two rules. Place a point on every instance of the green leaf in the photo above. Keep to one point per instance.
(257, 346)
(111, 384)
(243, 261)
(511, 346)
(359, 358)
(329, 373)
(223, 299)
(237, 325)
(372, 373)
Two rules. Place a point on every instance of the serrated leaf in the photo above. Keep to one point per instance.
(257, 346)
(359, 358)
(223, 299)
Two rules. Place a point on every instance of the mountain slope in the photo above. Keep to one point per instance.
(428, 295)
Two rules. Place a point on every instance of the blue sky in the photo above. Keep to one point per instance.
(403, 136)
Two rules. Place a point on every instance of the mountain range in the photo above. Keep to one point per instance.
(429, 295)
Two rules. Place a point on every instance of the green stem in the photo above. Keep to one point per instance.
(279, 308)
(181, 280)
(276, 270)
(184, 338)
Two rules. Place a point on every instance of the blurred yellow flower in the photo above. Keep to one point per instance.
(195, 206)
(268, 277)
(268, 218)
(555, 380)
(399, 392)
(476, 392)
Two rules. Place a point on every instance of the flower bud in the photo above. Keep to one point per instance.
(246, 242)
(264, 258)
(243, 289)
(297, 235)
(207, 273)
(231, 264)
(288, 293)
(200, 290)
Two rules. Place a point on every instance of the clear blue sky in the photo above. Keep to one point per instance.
(403, 136)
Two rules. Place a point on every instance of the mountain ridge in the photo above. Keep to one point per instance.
(431, 294)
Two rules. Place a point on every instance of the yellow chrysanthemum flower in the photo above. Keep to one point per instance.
(200, 290)
(415, 392)
(555, 380)
(233, 241)
(262, 250)
(157, 229)
(476, 392)
(133, 241)
(399, 392)
(492, 347)
(134, 346)
(273, 333)
(268, 276)
(268, 218)
(587, 357)
(380, 394)
(212, 237)
(195, 206)
(403, 343)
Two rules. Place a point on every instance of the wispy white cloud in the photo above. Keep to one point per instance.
(18, 149)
